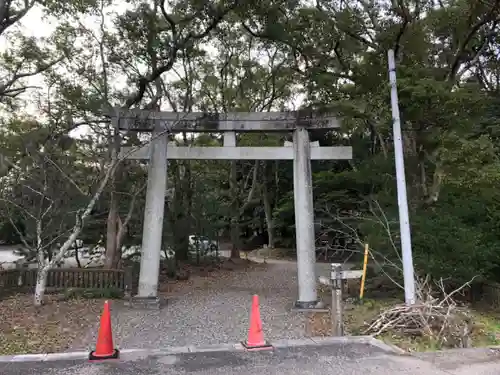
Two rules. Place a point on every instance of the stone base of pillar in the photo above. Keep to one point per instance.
(145, 303)
(314, 306)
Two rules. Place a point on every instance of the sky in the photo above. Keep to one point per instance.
(31, 25)
(38, 25)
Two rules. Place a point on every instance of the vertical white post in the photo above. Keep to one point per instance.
(304, 220)
(404, 220)
(153, 216)
(229, 139)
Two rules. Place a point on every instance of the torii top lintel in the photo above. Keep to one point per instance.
(176, 122)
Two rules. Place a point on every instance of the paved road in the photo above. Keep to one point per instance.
(214, 313)
(352, 359)
(477, 361)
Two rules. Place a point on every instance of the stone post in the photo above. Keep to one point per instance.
(304, 221)
(153, 220)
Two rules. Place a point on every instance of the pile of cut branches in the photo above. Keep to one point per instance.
(436, 317)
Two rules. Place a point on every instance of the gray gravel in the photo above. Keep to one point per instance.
(216, 314)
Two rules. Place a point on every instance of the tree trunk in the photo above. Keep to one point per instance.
(112, 232)
(235, 238)
(77, 258)
(112, 222)
(268, 211)
(188, 199)
(41, 283)
(181, 245)
(43, 268)
(178, 214)
(120, 237)
(181, 235)
(235, 211)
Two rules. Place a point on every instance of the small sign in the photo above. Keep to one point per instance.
(347, 274)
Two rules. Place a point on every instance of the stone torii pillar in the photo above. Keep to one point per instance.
(304, 221)
(158, 152)
(153, 219)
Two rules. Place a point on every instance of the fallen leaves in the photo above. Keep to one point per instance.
(62, 324)
(53, 327)
(206, 276)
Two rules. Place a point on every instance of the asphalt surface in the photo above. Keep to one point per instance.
(344, 359)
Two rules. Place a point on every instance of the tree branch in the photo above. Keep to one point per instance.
(492, 15)
(6, 87)
(177, 46)
(9, 16)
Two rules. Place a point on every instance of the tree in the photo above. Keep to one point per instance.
(26, 56)
(45, 190)
(227, 56)
(343, 68)
(164, 36)
(233, 80)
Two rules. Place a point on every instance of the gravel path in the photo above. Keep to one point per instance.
(215, 311)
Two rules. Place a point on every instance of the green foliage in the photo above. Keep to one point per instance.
(109, 293)
(41, 192)
(455, 238)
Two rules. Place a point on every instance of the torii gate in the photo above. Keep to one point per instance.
(158, 151)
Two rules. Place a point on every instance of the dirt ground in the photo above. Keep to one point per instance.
(59, 324)
(56, 326)
(203, 276)
(290, 254)
(50, 328)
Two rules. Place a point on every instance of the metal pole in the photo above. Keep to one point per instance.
(363, 278)
(404, 220)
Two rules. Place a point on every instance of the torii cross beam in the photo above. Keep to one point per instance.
(158, 151)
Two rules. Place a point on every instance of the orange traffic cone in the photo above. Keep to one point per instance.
(104, 348)
(255, 339)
